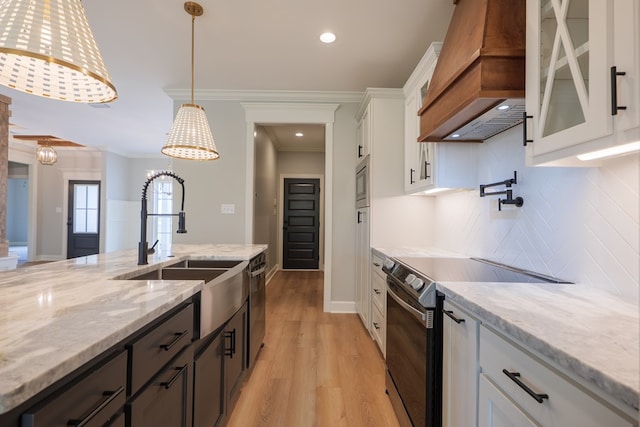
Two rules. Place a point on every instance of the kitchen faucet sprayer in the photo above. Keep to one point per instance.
(143, 245)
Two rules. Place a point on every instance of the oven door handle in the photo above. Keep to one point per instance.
(418, 314)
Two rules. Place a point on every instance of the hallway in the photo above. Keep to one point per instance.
(316, 368)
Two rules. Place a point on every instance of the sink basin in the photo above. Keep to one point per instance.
(205, 269)
(181, 273)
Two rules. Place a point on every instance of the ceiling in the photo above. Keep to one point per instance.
(240, 46)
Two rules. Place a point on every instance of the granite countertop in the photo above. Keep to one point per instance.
(588, 333)
(55, 317)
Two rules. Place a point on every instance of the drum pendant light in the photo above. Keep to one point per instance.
(190, 136)
(47, 49)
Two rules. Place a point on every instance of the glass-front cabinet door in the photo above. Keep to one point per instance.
(570, 55)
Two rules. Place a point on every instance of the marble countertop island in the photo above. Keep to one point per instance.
(589, 333)
(56, 317)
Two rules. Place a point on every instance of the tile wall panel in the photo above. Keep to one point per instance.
(579, 224)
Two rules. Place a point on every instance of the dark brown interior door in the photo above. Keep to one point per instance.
(301, 224)
(83, 221)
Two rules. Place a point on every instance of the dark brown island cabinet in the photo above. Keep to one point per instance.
(162, 375)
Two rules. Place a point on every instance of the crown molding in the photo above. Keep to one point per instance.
(266, 95)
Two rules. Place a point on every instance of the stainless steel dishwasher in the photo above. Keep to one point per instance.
(257, 311)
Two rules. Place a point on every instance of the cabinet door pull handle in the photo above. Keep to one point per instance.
(411, 179)
(377, 291)
(376, 325)
(228, 351)
(110, 396)
(454, 318)
(233, 342)
(167, 385)
(376, 264)
(178, 337)
(514, 376)
(359, 217)
(614, 91)
(359, 151)
(525, 133)
(426, 170)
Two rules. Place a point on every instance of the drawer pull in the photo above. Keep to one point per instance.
(377, 291)
(514, 376)
(454, 318)
(178, 337)
(110, 396)
(174, 378)
(376, 264)
(376, 325)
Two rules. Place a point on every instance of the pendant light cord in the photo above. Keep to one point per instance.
(193, 24)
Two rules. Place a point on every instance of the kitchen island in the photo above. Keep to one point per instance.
(585, 334)
(56, 317)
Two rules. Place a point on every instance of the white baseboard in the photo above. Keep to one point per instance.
(50, 258)
(341, 307)
(272, 272)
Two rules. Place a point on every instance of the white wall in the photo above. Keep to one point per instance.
(579, 224)
(17, 210)
(208, 185)
(266, 191)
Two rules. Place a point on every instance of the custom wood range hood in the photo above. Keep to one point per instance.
(478, 86)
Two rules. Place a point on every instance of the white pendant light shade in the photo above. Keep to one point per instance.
(47, 49)
(46, 155)
(190, 136)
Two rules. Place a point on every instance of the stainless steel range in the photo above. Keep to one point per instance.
(414, 328)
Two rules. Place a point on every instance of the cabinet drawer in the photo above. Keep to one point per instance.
(379, 328)
(565, 405)
(379, 292)
(95, 399)
(168, 400)
(376, 265)
(157, 347)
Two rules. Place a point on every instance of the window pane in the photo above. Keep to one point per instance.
(92, 221)
(80, 196)
(80, 221)
(92, 196)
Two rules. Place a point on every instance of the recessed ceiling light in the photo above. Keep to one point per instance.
(299, 134)
(503, 107)
(327, 37)
(455, 135)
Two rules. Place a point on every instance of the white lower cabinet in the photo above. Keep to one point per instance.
(378, 303)
(517, 389)
(459, 367)
(363, 260)
(496, 410)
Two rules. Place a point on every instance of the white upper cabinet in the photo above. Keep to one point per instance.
(363, 136)
(582, 78)
(429, 166)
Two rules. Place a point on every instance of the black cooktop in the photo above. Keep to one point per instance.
(472, 270)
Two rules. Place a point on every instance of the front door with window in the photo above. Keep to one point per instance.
(301, 224)
(83, 222)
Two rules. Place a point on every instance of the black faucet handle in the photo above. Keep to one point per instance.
(182, 229)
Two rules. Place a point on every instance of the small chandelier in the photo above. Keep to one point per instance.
(47, 49)
(190, 136)
(45, 153)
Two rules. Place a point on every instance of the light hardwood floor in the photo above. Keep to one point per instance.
(316, 368)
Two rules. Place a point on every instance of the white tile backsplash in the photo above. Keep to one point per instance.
(579, 224)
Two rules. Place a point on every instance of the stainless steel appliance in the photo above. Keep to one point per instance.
(362, 183)
(414, 328)
(257, 298)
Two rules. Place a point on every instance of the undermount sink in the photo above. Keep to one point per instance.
(206, 270)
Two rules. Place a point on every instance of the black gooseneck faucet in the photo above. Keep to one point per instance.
(143, 245)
